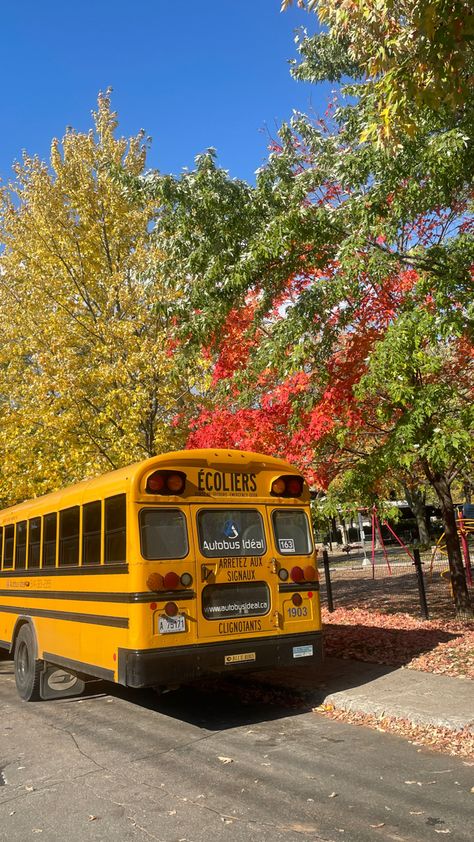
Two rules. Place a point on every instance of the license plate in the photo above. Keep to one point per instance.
(302, 651)
(238, 659)
(168, 625)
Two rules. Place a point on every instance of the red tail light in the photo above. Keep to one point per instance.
(166, 482)
(287, 486)
(171, 609)
(297, 599)
(171, 581)
(168, 582)
(296, 574)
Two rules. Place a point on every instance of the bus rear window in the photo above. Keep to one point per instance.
(163, 533)
(291, 528)
(231, 532)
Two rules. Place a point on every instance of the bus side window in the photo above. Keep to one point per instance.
(69, 536)
(91, 532)
(8, 550)
(34, 543)
(49, 540)
(20, 547)
(115, 529)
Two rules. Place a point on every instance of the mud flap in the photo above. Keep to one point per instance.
(56, 683)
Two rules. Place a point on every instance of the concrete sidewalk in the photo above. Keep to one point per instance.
(422, 698)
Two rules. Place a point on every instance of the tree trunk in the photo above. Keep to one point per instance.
(462, 599)
(416, 501)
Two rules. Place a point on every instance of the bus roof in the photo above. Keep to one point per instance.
(122, 478)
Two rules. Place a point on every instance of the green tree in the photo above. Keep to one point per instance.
(413, 55)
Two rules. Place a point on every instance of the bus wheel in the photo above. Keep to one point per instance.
(27, 668)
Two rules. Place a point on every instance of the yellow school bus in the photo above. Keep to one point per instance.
(187, 564)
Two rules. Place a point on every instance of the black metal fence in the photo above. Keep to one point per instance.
(395, 582)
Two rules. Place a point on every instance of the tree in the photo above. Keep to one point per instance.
(87, 380)
(413, 56)
(344, 250)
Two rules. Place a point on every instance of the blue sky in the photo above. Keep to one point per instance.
(193, 75)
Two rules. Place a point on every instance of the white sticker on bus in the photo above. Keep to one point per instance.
(287, 545)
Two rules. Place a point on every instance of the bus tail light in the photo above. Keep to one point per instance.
(171, 581)
(166, 482)
(155, 582)
(296, 574)
(287, 486)
(283, 574)
(171, 609)
(297, 599)
(310, 573)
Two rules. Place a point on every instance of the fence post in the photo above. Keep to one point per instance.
(327, 576)
(421, 584)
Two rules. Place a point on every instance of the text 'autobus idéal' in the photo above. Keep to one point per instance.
(191, 563)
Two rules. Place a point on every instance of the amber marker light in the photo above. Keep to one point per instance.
(278, 486)
(155, 582)
(175, 483)
(287, 486)
(166, 482)
(310, 573)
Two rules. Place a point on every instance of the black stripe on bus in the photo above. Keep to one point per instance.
(100, 569)
(291, 587)
(93, 619)
(99, 596)
(79, 666)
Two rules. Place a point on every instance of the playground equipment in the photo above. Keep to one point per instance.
(465, 529)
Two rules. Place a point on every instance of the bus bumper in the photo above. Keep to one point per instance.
(181, 664)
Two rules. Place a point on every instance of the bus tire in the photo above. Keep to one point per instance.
(27, 667)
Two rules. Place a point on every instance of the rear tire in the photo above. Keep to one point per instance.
(27, 668)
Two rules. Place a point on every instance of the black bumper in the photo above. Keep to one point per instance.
(178, 665)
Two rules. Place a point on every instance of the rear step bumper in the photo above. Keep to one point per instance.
(180, 664)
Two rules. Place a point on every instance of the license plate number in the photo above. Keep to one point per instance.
(168, 625)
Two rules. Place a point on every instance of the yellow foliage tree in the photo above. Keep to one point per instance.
(416, 54)
(87, 376)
